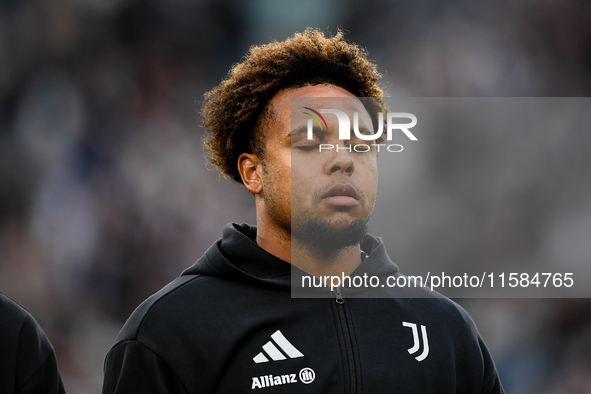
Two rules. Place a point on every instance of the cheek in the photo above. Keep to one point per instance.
(278, 168)
(276, 181)
(303, 182)
(281, 185)
(369, 177)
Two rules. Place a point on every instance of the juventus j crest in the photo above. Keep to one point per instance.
(416, 342)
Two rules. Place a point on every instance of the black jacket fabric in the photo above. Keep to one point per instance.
(27, 359)
(228, 324)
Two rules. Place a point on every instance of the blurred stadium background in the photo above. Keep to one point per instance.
(105, 195)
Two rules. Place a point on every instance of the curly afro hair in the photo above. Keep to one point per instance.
(232, 111)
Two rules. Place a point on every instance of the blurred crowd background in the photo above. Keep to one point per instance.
(105, 195)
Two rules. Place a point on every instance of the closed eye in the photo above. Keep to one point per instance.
(308, 147)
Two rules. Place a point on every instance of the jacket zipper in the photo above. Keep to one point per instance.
(340, 301)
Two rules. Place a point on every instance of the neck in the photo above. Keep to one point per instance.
(274, 241)
(278, 241)
(271, 236)
(322, 263)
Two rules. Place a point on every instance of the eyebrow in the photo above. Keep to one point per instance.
(298, 131)
(320, 133)
(365, 131)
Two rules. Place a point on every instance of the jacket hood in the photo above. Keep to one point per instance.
(237, 256)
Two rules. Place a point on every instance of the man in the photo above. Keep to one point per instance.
(27, 359)
(229, 324)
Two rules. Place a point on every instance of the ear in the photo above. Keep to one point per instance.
(250, 167)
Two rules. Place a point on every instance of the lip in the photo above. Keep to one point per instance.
(342, 194)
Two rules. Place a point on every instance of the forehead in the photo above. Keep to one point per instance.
(320, 96)
(284, 96)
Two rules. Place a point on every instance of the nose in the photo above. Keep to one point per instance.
(342, 162)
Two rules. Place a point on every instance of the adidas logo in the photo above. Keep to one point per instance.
(270, 349)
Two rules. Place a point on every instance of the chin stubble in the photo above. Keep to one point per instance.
(327, 237)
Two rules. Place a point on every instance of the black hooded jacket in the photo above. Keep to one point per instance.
(228, 324)
(27, 360)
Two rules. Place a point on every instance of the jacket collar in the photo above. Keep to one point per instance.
(237, 256)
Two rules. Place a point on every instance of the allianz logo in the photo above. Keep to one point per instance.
(306, 376)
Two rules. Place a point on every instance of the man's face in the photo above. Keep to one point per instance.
(318, 197)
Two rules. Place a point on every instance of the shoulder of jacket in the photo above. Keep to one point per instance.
(444, 310)
(21, 338)
(18, 322)
(12, 311)
(155, 304)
